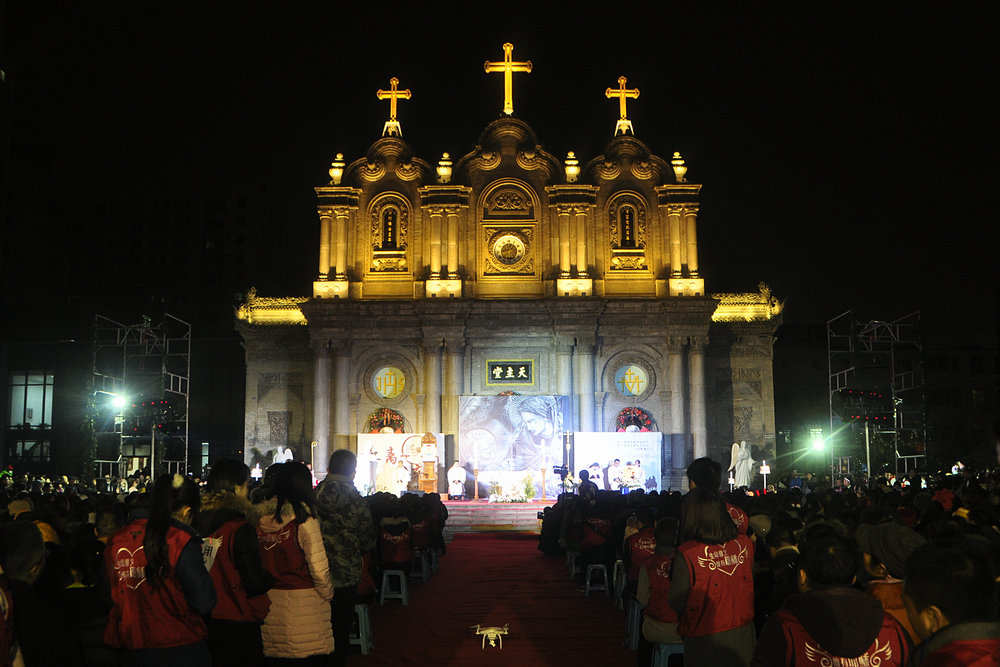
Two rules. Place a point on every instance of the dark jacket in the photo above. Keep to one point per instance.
(831, 623)
(974, 643)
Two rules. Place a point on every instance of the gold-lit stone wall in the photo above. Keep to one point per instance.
(581, 271)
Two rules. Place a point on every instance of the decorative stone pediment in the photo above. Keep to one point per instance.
(389, 157)
(626, 155)
(509, 142)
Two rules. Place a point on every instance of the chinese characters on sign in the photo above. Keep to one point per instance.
(510, 371)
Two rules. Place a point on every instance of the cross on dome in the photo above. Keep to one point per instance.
(622, 93)
(392, 125)
(508, 67)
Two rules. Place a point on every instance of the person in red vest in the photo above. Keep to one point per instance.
(706, 473)
(711, 587)
(241, 582)
(159, 585)
(659, 619)
(951, 598)
(831, 623)
(298, 622)
(639, 548)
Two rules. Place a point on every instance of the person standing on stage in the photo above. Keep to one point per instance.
(348, 532)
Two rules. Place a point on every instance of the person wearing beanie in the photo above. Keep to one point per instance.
(884, 550)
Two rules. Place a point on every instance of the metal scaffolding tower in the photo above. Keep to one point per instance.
(149, 365)
(885, 357)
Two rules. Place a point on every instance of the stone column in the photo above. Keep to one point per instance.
(585, 383)
(325, 229)
(340, 269)
(691, 218)
(564, 375)
(453, 385)
(696, 367)
(675, 378)
(674, 217)
(564, 263)
(321, 406)
(342, 429)
(436, 243)
(432, 386)
(581, 243)
(452, 244)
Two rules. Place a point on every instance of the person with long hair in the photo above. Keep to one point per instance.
(711, 585)
(241, 582)
(159, 585)
(297, 625)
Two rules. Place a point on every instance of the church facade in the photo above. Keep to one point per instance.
(509, 271)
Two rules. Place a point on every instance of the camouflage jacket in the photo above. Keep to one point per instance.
(347, 527)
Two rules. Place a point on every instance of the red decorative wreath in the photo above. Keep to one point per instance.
(508, 393)
(383, 417)
(633, 417)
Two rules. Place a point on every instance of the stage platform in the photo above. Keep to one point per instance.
(475, 516)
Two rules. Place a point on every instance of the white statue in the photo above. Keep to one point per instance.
(741, 463)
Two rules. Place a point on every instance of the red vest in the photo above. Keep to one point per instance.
(890, 646)
(595, 532)
(283, 557)
(396, 548)
(421, 533)
(658, 608)
(639, 547)
(740, 518)
(145, 616)
(233, 603)
(721, 577)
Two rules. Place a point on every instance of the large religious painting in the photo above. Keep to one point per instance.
(392, 462)
(619, 461)
(509, 437)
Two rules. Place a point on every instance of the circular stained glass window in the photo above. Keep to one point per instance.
(631, 380)
(388, 382)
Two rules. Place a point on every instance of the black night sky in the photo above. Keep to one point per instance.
(846, 150)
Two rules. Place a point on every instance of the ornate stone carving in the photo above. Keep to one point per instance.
(608, 170)
(643, 170)
(278, 423)
(747, 307)
(508, 250)
(615, 206)
(372, 171)
(407, 171)
(508, 202)
(381, 264)
(628, 262)
(380, 207)
(271, 310)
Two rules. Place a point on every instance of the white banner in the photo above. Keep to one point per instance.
(391, 462)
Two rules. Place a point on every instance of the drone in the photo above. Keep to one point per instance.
(493, 633)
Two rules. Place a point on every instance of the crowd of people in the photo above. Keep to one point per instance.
(175, 572)
(895, 572)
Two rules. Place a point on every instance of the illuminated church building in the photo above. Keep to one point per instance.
(509, 272)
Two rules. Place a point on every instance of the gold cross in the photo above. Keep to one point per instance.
(392, 125)
(508, 67)
(622, 93)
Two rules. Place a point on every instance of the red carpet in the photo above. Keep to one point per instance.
(494, 579)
